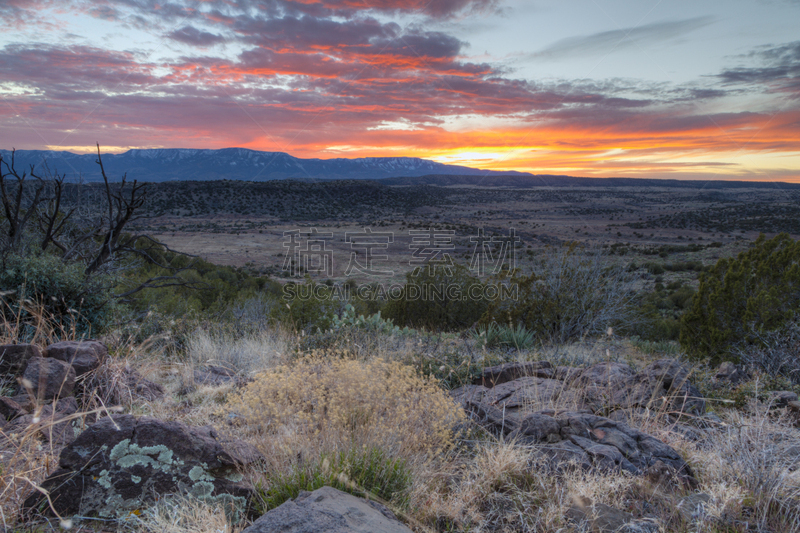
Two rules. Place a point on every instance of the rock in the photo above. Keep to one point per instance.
(692, 507)
(781, 398)
(48, 379)
(496, 375)
(730, 374)
(597, 383)
(590, 441)
(53, 423)
(328, 510)
(9, 409)
(663, 386)
(599, 517)
(602, 518)
(522, 396)
(215, 375)
(14, 357)
(120, 386)
(121, 463)
(84, 356)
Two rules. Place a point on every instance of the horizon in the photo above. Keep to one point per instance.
(687, 91)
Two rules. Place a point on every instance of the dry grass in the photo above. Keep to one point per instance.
(323, 404)
(248, 353)
(184, 515)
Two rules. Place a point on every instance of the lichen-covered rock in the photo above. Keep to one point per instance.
(84, 356)
(14, 357)
(48, 379)
(121, 463)
(328, 510)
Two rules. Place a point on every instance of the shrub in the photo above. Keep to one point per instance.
(740, 299)
(777, 352)
(438, 301)
(371, 402)
(508, 336)
(571, 293)
(59, 290)
(357, 471)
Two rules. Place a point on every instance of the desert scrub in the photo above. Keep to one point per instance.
(360, 471)
(373, 402)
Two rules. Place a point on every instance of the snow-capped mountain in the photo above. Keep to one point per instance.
(167, 164)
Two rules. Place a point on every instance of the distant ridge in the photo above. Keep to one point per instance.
(551, 180)
(182, 164)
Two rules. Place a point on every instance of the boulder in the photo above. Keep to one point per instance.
(328, 510)
(84, 356)
(48, 379)
(583, 439)
(122, 463)
(14, 357)
(54, 423)
(9, 409)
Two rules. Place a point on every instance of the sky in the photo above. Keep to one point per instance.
(680, 89)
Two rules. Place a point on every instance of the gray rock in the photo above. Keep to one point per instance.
(9, 409)
(664, 386)
(496, 375)
(14, 357)
(122, 463)
(48, 378)
(599, 517)
(328, 510)
(781, 398)
(590, 441)
(52, 423)
(693, 506)
(215, 375)
(730, 374)
(84, 356)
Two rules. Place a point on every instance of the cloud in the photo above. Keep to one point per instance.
(608, 41)
(780, 70)
(193, 36)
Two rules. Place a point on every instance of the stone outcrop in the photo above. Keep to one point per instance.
(557, 410)
(330, 511)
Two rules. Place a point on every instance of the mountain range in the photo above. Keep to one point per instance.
(172, 164)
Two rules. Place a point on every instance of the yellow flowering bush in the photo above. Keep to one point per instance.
(373, 402)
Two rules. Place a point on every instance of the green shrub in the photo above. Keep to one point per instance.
(740, 299)
(43, 283)
(507, 336)
(438, 301)
(361, 472)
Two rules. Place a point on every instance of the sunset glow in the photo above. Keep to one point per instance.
(617, 88)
